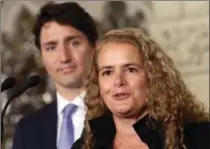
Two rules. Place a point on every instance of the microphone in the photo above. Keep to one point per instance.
(8, 83)
(31, 82)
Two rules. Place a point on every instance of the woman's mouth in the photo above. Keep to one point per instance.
(121, 96)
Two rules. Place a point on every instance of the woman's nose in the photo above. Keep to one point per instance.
(119, 80)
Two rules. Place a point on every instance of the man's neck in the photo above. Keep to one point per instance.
(68, 93)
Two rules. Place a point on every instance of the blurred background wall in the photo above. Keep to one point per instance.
(180, 27)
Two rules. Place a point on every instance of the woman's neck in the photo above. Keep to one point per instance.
(124, 126)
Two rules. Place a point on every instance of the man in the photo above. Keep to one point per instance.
(66, 36)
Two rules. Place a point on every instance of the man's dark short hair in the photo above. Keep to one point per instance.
(68, 13)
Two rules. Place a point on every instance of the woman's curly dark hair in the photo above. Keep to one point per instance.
(169, 99)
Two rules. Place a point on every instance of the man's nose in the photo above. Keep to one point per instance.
(120, 79)
(64, 55)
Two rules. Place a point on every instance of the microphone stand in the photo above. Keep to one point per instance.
(6, 106)
(33, 81)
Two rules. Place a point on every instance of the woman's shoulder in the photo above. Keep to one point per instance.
(78, 144)
(197, 135)
(197, 128)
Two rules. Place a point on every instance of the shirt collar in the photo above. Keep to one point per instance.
(62, 102)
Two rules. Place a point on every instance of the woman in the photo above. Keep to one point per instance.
(137, 99)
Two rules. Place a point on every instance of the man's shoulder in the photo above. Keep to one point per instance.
(42, 114)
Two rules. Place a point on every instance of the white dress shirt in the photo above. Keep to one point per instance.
(78, 117)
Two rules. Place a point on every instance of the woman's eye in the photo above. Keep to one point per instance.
(132, 69)
(106, 73)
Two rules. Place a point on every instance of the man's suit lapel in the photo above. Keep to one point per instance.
(48, 126)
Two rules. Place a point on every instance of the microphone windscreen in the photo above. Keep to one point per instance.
(8, 83)
(34, 80)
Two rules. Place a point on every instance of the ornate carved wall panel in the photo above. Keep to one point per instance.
(186, 41)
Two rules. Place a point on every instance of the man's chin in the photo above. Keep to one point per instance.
(72, 84)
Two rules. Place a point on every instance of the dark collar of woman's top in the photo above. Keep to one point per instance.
(149, 130)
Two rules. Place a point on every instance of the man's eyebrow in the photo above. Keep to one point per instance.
(52, 42)
(66, 39)
(70, 38)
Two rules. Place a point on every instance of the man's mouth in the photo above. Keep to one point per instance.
(67, 69)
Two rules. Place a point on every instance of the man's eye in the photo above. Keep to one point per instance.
(50, 48)
(75, 43)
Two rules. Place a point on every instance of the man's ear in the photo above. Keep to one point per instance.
(39, 60)
(97, 44)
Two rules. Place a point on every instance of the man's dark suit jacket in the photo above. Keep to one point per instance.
(37, 131)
